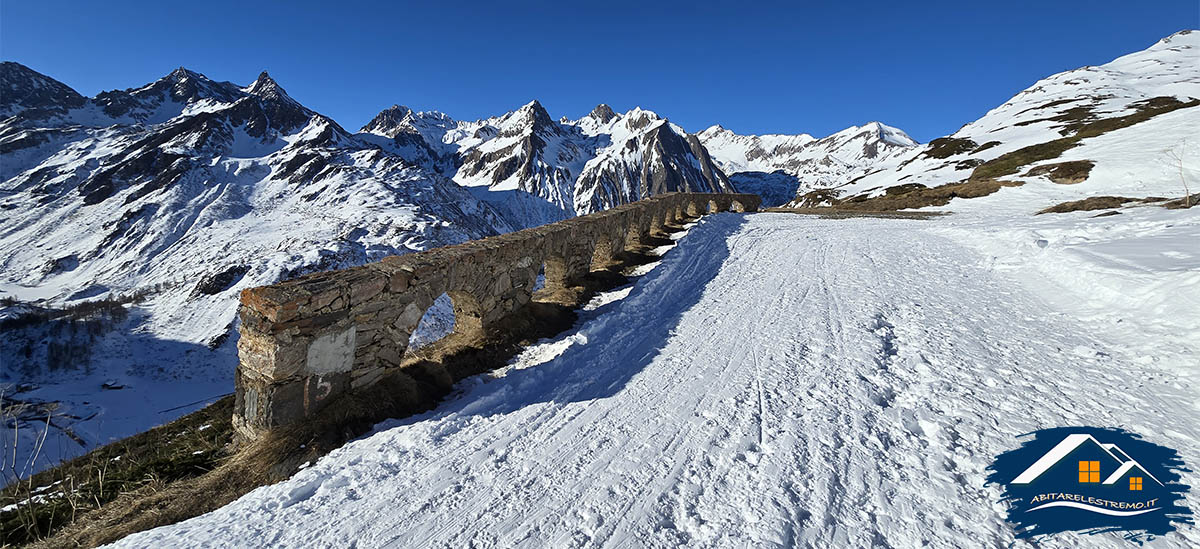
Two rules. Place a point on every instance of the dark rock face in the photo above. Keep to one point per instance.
(29, 90)
(603, 113)
(665, 162)
(389, 121)
(220, 281)
(283, 112)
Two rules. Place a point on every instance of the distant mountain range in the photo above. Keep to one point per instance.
(186, 180)
(182, 192)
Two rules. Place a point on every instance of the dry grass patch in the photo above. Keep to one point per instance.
(914, 195)
(1107, 202)
(1064, 173)
(1088, 204)
(143, 464)
(945, 147)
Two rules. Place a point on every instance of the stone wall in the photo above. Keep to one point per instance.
(307, 340)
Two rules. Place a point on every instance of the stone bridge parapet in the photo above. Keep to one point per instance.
(306, 340)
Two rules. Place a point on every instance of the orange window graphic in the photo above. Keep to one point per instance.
(1135, 483)
(1089, 471)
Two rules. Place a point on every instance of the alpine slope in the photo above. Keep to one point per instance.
(776, 380)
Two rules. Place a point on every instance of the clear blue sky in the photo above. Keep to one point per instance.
(754, 67)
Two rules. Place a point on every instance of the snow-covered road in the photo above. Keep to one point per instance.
(778, 380)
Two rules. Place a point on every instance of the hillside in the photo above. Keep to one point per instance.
(1114, 129)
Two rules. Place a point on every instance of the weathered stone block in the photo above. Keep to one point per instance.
(269, 357)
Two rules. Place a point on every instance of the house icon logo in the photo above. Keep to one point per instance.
(1092, 480)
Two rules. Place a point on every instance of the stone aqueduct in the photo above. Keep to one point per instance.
(307, 340)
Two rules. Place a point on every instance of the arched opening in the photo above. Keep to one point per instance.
(738, 206)
(436, 323)
(452, 313)
(693, 210)
(713, 207)
(539, 281)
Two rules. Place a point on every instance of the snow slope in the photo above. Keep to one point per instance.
(777, 380)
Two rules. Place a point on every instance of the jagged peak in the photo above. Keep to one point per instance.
(388, 120)
(603, 113)
(639, 119)
(531, 114)
(177, 77)
(265, 86)
(890, 134)
(182, 72)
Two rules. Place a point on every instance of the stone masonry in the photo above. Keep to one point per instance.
(309, 339)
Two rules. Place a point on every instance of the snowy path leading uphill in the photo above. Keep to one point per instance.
(776, 381)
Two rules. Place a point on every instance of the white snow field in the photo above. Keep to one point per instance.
(778, 380)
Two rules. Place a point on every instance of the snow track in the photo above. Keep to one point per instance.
(776, 381)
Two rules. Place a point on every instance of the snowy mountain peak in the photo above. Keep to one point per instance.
(389, 121)
(882, 132)
(1068, 118)
(267, 88)
(603, 113)
(640, 119)
(185, 86)
(533, 114)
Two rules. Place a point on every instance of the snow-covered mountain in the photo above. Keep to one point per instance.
(780, 165)
(536, 169)
(186, 190)
(1095, 130)
(185, 178)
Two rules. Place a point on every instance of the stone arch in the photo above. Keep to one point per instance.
(713, 207)
(738, 206)
(668, 213)
(693, 208)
